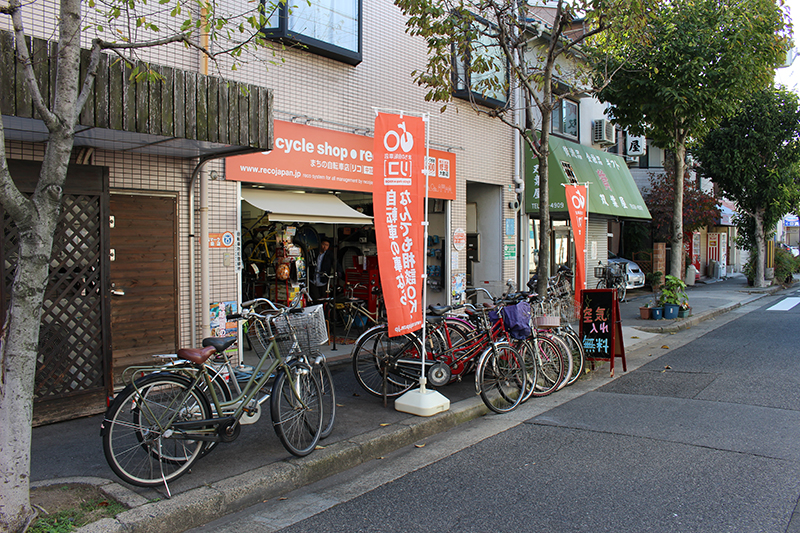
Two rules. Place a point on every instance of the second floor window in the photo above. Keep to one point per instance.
(565, 119)
(331, 28)
(489, 86)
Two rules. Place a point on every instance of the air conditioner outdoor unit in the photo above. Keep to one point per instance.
(603, 132)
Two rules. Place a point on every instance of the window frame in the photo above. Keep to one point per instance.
(559, 112)
(313, 45)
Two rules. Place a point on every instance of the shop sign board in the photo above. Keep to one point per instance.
(601, 327)
(310, 157)
(509, 252)
(399, 206)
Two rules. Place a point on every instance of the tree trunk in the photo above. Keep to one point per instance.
(543, 269)
(676, 259)
(35, 219)
(761, 252)
(20, 348)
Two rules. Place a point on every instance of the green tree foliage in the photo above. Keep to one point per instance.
(699, 209)
(754, 158)
(701, 58)
(506, 47)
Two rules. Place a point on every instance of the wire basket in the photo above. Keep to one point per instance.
(308, 325)
(600, 272)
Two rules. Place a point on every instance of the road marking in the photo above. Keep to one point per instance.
(785, 304)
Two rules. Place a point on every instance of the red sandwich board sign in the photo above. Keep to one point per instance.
(601, 327)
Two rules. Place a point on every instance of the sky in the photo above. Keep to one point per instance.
(790, 77)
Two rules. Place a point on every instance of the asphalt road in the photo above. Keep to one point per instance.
(705, 438)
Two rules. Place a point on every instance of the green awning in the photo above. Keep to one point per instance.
(612, 191)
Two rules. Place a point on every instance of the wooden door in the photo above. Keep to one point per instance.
(144, 300)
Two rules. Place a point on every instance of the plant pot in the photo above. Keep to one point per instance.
(671, 311)
(683, 313)
(656, 313)
(644, 313)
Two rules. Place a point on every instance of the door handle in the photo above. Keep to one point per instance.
(117, 292)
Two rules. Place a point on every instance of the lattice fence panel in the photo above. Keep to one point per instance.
(70, 356)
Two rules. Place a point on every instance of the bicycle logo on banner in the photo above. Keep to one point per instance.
(405, 141)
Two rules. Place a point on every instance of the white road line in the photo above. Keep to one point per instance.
(785, 304)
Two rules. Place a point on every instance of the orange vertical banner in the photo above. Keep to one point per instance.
(399, 209)
(576, 202)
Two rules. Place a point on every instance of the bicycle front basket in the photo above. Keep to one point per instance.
(309, 326)
(600, 272)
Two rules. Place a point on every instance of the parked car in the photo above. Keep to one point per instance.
(633, 273)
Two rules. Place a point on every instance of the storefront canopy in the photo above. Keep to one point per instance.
(285, 206)
(612, 191)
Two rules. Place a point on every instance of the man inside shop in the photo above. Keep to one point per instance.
(322, 270)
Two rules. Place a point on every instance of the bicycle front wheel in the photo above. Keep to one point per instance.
(137, 441)
(500, 378)
(323, 375)
(551, 367)
(573, 342)
(296, 407)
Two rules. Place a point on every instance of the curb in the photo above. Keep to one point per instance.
(198, 506)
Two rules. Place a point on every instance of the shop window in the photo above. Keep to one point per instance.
(564, 120)
(331, 28)
(482, 75)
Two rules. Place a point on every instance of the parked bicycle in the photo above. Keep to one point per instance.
(159, 425)
(612, 277)
(389, 366)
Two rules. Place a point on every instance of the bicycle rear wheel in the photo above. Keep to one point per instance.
(386, 365)
(137, 423)
(296, 408)
(500, 378)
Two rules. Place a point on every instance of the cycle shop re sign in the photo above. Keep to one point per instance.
(399, 201)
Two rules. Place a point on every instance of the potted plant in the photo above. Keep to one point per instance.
(644, 311)
(684, 311)
(672, 296)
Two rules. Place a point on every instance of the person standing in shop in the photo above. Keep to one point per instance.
(322, 270)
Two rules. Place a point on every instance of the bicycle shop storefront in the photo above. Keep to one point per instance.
(316, 184)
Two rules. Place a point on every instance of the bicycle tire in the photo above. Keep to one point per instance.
(323, 374)
(134, 447)
(297, 414)
(622, 291)
(550, 367)
(573, 342)
(566, 356)
(601, 284)
(377, 354)
(500, 378)
(525, 348)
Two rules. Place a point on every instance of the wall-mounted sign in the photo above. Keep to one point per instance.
(459, 239)
(310, 157)
(220, 240)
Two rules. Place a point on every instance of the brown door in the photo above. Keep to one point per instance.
(144, 317)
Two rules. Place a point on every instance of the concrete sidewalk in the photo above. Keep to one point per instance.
(255, 467)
